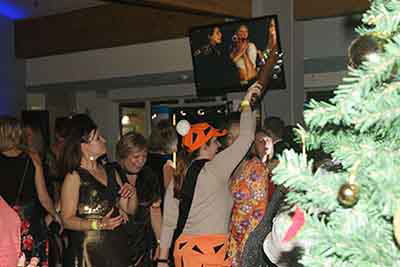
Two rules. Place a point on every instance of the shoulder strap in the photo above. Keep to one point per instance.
(21, 184)
(187, 191)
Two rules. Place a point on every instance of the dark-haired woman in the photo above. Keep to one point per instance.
(92, 200)
(25, 190)
(198, 204)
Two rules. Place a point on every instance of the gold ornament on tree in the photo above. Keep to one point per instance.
(348, 194)
(366, 47)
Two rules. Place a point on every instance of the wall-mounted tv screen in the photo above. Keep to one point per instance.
(229, 57)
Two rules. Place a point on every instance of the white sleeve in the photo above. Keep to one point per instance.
(170, 217)
(252, 53)
(273, 245)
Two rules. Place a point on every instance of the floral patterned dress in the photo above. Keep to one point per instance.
(250, 194)
(34, 236)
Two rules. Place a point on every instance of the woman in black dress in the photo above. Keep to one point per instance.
(162, 144)
(24, 189)
(94, 202)
(144, 227)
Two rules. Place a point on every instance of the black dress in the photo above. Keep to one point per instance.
(214, 70)
(97, 248)
(142, 240)
(19, 176)
(156, 163)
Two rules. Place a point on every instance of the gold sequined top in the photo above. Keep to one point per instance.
(95, 199)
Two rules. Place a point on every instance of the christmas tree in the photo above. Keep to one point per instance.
(350, 214)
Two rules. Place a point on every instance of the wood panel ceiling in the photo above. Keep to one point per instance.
(127, 22)
(313, 9)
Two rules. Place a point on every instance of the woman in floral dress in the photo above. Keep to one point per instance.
(250, 194)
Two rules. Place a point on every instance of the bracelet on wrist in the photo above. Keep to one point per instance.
(94, 225)
(266, 54)
(244, 104)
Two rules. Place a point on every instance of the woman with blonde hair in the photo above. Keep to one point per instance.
(163, 143)
(143, 228)
(26, 190)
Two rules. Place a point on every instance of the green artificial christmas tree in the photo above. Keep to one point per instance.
(350, 215)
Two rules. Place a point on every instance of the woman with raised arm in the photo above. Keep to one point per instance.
(92, 200)
(198, 203)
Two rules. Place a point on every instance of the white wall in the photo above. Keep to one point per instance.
(157, 57)
(12, 72)
(328, 37)
(286, 104)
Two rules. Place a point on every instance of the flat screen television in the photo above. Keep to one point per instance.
(229, 57)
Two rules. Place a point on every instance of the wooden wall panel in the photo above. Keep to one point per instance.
(225, 8)
(312, 9)
(101, 27)
(144, 21)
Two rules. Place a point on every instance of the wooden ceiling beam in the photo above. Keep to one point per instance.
(314, 9)
(119, 24)
(102, 27)
(224, 8)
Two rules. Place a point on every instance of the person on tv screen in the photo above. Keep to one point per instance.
(214, 39)
(214, 69)
(244, 55)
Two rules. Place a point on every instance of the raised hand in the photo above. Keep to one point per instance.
(273, 38)
(253, 92)
(269, 149)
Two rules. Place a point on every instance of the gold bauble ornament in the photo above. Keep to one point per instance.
(348, 194)
(366, 47)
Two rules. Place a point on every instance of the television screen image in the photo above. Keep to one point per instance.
(229, 57)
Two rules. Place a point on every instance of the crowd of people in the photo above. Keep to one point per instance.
(63, 205)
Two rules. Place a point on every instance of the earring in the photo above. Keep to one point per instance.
(91, 158)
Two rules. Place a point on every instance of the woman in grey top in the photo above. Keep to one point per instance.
(197, 208)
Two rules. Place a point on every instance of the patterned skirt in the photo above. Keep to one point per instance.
(201, 251)
(34, 235)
